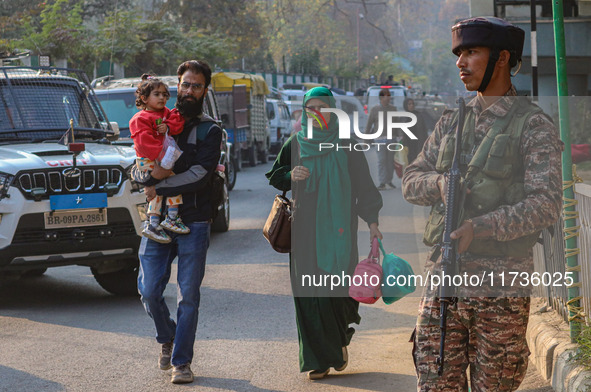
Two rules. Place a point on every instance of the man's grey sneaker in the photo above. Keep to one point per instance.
(175, 225)
(156, 234)
(382, 187)
(390, 186)
(165, 355)
(182, 374)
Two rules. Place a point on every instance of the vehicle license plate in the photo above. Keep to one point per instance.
(81, 201)
(75, 218)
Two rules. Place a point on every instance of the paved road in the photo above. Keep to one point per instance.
(62, 332)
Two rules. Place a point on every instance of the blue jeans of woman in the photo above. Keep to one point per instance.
(155, 266)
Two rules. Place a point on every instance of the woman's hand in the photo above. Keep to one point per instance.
(299, 173)
(150, 192)
(374, 232)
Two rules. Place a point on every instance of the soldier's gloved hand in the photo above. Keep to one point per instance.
(465, 234)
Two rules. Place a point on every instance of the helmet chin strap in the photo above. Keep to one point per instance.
(490, 67)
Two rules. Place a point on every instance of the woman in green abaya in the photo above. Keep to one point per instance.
(331, 188)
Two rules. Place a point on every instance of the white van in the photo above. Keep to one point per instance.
(279, 124)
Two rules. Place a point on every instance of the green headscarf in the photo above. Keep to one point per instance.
(329, 178)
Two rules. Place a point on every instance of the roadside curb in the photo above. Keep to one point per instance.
(549, 342)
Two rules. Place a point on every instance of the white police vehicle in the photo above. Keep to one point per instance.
(64, 204)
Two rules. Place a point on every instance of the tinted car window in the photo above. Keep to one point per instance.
(23, 109)
(270, 111)
(284, 112)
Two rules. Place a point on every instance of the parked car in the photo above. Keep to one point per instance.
(279, 123)
(117, 97)
(66, 196)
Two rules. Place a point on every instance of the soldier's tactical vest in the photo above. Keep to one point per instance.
(494, 174)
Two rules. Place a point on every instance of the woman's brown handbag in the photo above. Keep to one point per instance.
(277, 229)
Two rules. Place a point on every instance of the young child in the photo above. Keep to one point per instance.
(148, 128)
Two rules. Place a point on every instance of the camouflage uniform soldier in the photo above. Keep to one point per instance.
(514, 192)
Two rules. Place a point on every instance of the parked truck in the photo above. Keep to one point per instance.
(242, 104)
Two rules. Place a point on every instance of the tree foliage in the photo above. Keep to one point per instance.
(58, 33)
(342, 38)
(299, 30)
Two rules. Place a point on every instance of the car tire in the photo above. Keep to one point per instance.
(122, 282)
(231, 174)
(252, 155)
(221, 223)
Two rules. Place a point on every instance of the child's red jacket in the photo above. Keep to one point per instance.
(146, 140)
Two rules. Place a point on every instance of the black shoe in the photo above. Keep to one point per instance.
(165, 355)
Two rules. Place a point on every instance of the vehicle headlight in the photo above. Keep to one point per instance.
(5, 183)
(135, 187)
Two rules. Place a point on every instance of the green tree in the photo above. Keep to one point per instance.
(118, 39)
(147, 45)
(237, 21)
(316, 25)
(60, 32)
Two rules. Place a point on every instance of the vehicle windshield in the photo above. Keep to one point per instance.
(39, 107)
(120, 107)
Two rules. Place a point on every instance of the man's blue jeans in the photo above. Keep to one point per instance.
(155, 264)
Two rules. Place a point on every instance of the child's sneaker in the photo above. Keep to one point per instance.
(175, 225)
(155, 233)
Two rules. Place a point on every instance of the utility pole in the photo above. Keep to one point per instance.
(534, 52)
(358, 13)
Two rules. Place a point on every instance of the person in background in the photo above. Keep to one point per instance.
(377, 115)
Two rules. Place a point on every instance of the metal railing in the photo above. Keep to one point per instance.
(583, 196)
(549, 257)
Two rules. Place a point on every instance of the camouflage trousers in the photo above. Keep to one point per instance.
(486, 334)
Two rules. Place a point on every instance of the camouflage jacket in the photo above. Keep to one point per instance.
(540, 149)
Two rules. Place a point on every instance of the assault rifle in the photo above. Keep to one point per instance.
(449, 251)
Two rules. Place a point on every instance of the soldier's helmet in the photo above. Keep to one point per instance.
(491, 32)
